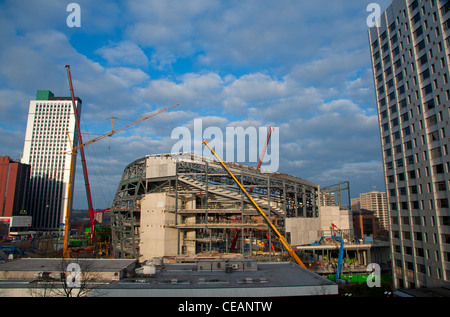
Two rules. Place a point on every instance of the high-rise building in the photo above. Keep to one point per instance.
(371, 205)
(376, 202)
(50, 137)
(14, 180)
(410, 50)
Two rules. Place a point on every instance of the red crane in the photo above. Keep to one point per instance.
(83, 158)
(265, 145)
(81, 146)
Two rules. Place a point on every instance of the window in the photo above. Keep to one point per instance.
(436, 152)
(376, 55)
(394, 122)
(406, 235)
(388, 70)
(418, 32)
(416, 18)
(390, 84)
(438, 169)
(394, 39)
(433, 136)
(396, 51)
(425, 74)
(428, 89)
(392, 27)
(429, 104)
(440, 186)
(423, 59)
(431, 120)
(443, 203)
(420, 46)
(375, 44)
(405, 117)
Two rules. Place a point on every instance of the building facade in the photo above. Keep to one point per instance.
(376, 202)
(14, 181)
(182, 206)
(410, 54)
(370, 214)
(49, 139)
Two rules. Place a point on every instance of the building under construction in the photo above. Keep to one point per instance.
(184, 206)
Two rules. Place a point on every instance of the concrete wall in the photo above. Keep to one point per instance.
(160, 167)
(305, 231)
(332, 214)
(156, 238)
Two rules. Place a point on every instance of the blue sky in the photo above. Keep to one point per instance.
(302, 66)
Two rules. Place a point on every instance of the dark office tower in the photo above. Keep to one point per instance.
(49, 139)
(14, 180)
(410, 52)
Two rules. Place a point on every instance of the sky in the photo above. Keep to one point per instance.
(301, 66)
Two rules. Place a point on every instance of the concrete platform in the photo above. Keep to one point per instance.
(27, 268)
(185, 280)
(233, 278)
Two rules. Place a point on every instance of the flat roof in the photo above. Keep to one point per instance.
(52, 264)
(271, 279)
(258, 279)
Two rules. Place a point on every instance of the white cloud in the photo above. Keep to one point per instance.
(124, 53)
(303, 66)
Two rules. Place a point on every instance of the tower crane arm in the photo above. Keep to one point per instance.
(112, 132)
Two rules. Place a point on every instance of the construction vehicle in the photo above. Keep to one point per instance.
(337, 277)
(283, 240)
(73, 153)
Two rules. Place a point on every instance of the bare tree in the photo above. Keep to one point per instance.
(75, 277)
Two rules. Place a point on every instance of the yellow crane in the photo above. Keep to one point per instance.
(112, 132)
(283, 240)
(73, 153)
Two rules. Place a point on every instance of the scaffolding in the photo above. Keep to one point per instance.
(210, 212)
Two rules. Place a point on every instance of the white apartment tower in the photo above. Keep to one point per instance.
(376, 202)
(410, 50)
(49, 139)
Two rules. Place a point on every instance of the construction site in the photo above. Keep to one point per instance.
(185, 208)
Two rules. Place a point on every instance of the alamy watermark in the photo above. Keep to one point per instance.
(240, 145)
(74, 18)
(74, 278)
(374, 17)
(373, 279)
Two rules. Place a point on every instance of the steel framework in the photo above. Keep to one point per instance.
(221, 210)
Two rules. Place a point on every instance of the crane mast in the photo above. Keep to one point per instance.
(265, 146)
(73, 153)
(83, 158)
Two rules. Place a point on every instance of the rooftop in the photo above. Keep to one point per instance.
(206, 278)
(244, 278)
